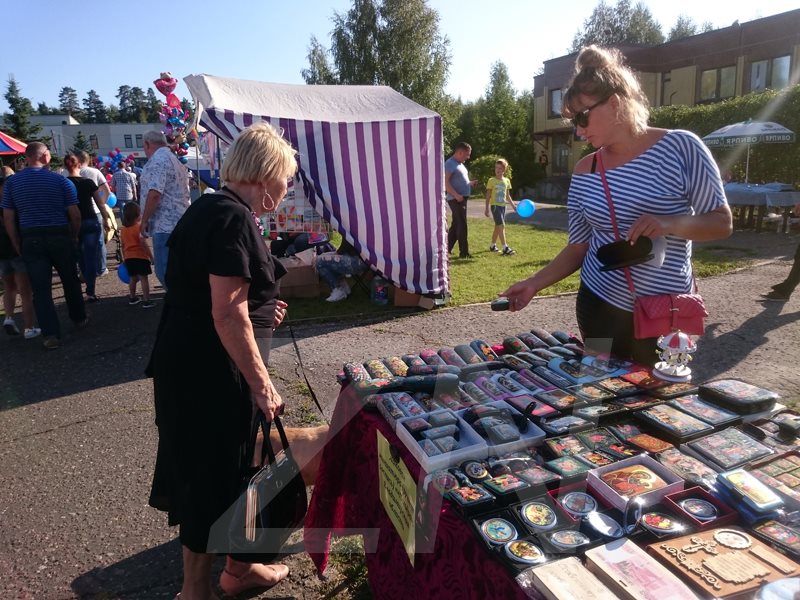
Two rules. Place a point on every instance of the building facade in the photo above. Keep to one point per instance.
(708, 67)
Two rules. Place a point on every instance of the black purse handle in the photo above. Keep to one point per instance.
(260, 423)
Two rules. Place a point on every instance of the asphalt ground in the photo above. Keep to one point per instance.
(77, 438)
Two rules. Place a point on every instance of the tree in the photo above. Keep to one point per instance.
(43, 109)
(621, 24)
(385, 42)
(127, 110)
(153, 106)
(68, 103)
(80, 143)
(94, 108)
(17, 123)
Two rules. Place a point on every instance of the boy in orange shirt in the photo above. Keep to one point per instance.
(136, 254)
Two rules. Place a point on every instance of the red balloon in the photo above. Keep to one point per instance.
(173, 101)
(108, 177)
(166, 86)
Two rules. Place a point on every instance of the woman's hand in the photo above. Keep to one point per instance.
(652, 226)
(269, 401)
(486, 212)
(520, 294)
(280, 313)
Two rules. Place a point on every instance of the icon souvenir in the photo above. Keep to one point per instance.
(597, 437)
(444, 481)
(562, 425)
(568, 539)
(783, 535)
(754, 493)
(505, 484)
(567, 466)
(632, 480)
(537, 475)
(674, 390)
(538, 516)
(523, 551)
(558, 399)
(596, 458)
(649, 443)
(596, 411)
(687, 467)
(643, 379)
(470, 495)
(660, 524)
(590, 393)
(498, 531)
(704, 411)
(675, 423)
(578, 504)
(620, 450)
(475, 470)
(624, 429)
(567, 445)
(618, 386)
(636, 401)
(729, 448)
(700, 509)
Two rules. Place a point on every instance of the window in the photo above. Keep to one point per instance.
(555, 103)
(129, 141)
(93, 141)
(772, 73)
(139, 140)
(716, 84)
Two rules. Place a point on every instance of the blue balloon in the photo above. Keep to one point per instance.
(525, 208)
(112, 200)
(122, 273)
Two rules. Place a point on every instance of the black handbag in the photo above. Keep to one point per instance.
(273, 503)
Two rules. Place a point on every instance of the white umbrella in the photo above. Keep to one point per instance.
(749, 132)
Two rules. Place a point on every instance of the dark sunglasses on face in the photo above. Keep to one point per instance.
(581, 119)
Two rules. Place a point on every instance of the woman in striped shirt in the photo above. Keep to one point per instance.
(664, 183)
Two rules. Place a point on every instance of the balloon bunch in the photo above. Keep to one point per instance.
(113, 160)
(173, 117)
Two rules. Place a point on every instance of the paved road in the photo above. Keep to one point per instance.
(77, 438)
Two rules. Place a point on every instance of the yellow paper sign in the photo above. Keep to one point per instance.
(398, 494)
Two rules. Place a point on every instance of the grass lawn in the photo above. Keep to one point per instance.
(482, 277)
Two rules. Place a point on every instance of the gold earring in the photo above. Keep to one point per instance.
(272, 206)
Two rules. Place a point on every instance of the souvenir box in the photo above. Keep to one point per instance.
(639, 476)
(739, 396)
(560, 400)
(718, 418)
(600, 413)
(781, 473)
(632, 574)
(691, 469)
(590, 393)
(565, 579)
(758, 496)
(695, 513)
(672, 424)
(572, 507)
(575, 370)
(531, 407)
(723, 562)
(784, 537)
(565, 424)
(673, 390)
(727, 449)
(618, 387)
(496, 528)
(540, 514)
(468, 445)
(533, 436)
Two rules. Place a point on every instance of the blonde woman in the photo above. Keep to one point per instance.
(663, 184)
(209, 376)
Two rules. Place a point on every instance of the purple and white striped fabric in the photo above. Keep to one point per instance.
(379, 182)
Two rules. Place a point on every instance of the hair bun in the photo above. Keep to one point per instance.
(596, 57)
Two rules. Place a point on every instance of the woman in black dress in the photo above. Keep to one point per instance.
(209, 377)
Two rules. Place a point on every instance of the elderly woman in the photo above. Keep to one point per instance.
(209, 377)
(663, 184)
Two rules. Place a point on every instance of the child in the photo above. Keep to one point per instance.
(497, 194)
(136, 254)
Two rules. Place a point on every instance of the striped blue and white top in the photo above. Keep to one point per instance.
(675, 176)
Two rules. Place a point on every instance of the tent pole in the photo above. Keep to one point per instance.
(747, 166)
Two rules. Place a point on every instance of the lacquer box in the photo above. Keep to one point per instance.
(638, 476)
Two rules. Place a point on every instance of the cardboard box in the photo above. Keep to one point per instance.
(567, 579)
(600, 489)
(301, 279)
(406, 299)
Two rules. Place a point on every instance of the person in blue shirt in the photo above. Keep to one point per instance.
(458, 186)
(46, 235)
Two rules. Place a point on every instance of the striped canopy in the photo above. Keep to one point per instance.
(10, 145)
(370, 159)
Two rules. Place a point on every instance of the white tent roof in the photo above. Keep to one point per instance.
(334, 103)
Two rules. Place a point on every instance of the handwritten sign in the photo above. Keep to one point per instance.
(398, 494)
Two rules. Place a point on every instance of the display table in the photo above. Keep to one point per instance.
(346, 501)
(755, 199)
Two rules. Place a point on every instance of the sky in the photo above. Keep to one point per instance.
(132, 43)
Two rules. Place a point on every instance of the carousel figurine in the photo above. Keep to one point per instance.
(675, 352)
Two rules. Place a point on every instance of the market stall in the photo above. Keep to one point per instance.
(531, 469)
(753, 200)
(371, 165)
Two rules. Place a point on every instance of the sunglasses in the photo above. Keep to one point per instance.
(581, 119)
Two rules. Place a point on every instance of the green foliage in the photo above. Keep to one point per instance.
(768, 162)
(94, 109)
(18, 121)
(482, 168)
(68, 103)
(81, 143)
(622, 24)
(384, 42)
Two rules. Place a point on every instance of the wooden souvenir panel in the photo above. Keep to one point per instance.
(724, 562)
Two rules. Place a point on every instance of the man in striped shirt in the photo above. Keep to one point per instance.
(46, 205)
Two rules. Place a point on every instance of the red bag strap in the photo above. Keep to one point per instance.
(613, 214)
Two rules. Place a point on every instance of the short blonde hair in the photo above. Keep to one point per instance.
(501, 161)
(602, 73)
(259, 154)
